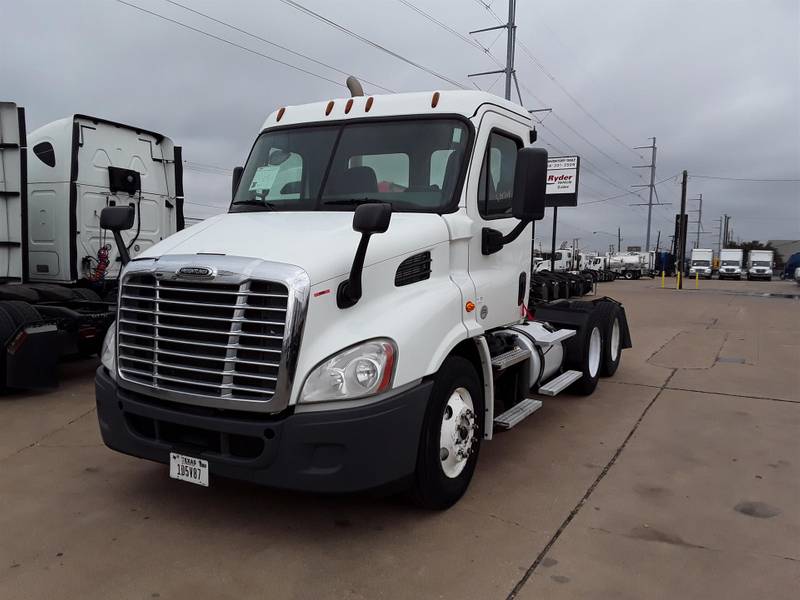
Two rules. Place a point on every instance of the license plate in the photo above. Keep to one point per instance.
(188, 468)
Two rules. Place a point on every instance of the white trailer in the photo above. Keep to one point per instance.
(361, 324)
(760, 264)
(701, 263)
(730, 263)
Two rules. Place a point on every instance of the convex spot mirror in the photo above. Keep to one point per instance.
(117, 218)
(530, 184)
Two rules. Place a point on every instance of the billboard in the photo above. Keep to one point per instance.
(562, 181)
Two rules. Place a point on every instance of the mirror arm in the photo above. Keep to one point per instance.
(349, 291)
(124, 257)
(493, 241)
(515, 233)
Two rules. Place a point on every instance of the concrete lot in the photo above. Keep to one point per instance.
(678, 478)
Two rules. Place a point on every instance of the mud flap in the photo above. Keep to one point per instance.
(32, 358)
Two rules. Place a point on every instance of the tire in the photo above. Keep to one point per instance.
(584, 353)
(86, 294)
(8, 326)
(440, 481)
(612, 339)
(51, 292)
(628, 275)
(20, 312)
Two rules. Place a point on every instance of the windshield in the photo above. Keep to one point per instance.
(414, 165)
(701, 263)
(761, 263)
(730, 263)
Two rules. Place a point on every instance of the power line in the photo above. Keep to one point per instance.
(229, 42)
(745, 179)
(276, 45)
(447, 28)
(361, 38)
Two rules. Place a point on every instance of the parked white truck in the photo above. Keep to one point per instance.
(700, 265)
(759, 264)
(730, 263)
(628, 265)
(55, 260)
(362, 323)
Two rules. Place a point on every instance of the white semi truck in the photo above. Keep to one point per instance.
(55, 261)
(701, 263)
(730, 263)
(628, 265)
(359, 318)
(759, 264)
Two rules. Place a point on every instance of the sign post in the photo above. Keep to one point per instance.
(562, 190)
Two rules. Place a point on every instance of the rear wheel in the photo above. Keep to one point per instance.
(86, 294)
(628, 275)
(20, 312)
(612, 340)
(585, 354)
(451, 435)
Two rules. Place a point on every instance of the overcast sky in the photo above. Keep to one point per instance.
(716, 81)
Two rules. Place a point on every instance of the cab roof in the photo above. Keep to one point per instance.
(460, 102)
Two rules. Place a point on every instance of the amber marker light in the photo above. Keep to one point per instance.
(469, 306)
(329, 108)
(370, 100)
(281, 110)
(348, 106)
(435, 99)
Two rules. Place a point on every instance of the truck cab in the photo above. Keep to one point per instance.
(700, 265)
(358, 317)
(730, 263)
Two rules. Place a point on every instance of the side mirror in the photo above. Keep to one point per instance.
(530, 184)
(367, 219)
(117, 219)
(372, 218)
(237, 177)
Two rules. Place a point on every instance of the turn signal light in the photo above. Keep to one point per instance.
(469, 306)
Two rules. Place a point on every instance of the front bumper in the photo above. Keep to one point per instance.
(335, 451)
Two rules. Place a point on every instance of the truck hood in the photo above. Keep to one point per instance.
(321, 243)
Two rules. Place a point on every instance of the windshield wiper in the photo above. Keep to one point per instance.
(351, 201)
(254, 202)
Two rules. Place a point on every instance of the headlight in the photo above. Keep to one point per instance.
(363, 370)
(108, 356)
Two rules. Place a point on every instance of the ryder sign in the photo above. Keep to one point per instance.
(562, 181)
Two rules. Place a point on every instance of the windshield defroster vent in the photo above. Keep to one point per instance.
(413, 269)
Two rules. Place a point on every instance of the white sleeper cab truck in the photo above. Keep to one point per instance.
(759, 264)
(359, 317)
(701, 260)
(79, 165)
(626, 265)
(56, 263)
(730, 263)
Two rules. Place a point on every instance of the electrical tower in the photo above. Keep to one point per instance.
(651, 185)
(699, 221)
(509, 70)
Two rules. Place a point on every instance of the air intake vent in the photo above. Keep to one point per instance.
(414, 268)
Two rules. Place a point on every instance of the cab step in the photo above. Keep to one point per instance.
(560, 383)
(516, 413)
(510, 358)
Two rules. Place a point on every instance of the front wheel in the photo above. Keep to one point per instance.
(451, 436)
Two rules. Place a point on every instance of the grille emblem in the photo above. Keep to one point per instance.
(196, 272)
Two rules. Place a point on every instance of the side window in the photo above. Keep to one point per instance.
(45, 152)
(497, 176)
(391, 170)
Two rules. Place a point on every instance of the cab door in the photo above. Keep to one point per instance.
(501, 279)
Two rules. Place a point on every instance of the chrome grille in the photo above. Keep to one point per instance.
(219, 340)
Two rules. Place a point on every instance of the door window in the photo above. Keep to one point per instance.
(496, 186)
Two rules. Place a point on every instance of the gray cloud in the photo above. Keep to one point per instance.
(718, 82)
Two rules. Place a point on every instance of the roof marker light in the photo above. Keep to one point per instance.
(435, 99)
(370, 100)
(281, 110)
(348, 106)
(329, 108)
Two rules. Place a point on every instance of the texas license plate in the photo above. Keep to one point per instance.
(188, 468)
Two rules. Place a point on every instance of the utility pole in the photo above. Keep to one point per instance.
(619, 239)
(682, 231)
(651, 185)
(719, 243)
(508, 70)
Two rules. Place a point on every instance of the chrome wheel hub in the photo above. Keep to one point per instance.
(458, 432)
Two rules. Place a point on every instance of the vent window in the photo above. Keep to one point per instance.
(413, 269)
(45, 152)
